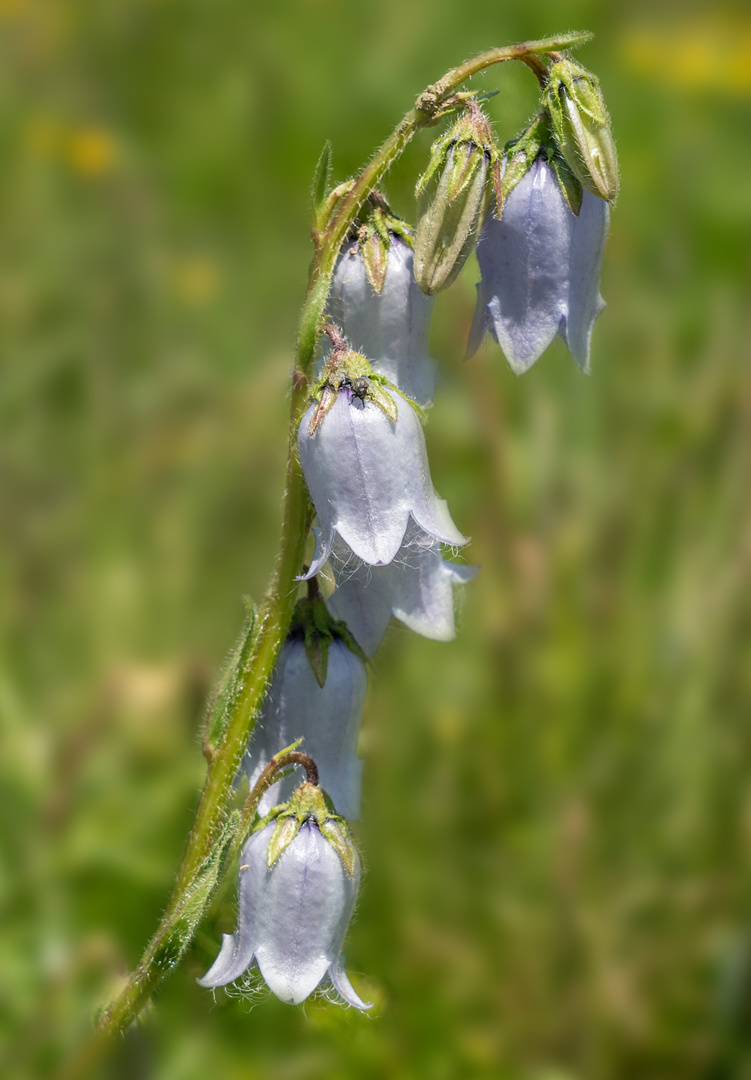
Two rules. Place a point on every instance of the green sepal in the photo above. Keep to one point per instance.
(571, 188)
(337, 833)
(285, 832)
(313, 621)
(321, 182)
(374, 233)
(350, 369)
(309, 802)
(224, 698)
(521, 153)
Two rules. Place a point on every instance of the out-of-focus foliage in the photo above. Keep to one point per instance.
(557, 809)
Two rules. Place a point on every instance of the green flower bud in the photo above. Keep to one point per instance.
(581, 126)
(448, 222)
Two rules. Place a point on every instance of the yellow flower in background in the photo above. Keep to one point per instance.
(711, 53)
(92, 151)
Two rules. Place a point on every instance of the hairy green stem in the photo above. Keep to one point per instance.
(276, 610)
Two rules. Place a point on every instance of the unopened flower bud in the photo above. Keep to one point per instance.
(298, 883)
(449, 220)
(581, 126)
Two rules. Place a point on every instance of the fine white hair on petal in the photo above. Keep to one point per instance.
(326, 717)
(416, 588)
(366, 475)
(390, 329)
(343, 986)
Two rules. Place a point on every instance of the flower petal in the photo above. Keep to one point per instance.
(327, 718)
(416, 587)
(366, 474)
(524, 260)
(343, 986)
(588, 239)
(236, 953)
(308, 899)
(392, 328)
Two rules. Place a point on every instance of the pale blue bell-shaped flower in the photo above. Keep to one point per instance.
(390, 328)
(327, 718)
(292, 917)
(416, 587)
(540, 267)
(367, 475)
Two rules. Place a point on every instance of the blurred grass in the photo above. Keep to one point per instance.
(557, 805)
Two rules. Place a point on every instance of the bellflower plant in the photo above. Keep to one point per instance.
(298, 882)
(357, 459)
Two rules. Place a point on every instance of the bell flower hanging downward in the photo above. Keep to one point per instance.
(325, 716)
(417, 587)
(364, 458)
(298, 883)
(540, 267)
(375, 300)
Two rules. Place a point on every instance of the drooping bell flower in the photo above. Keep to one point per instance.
(298, 882)
(540, 266)
(382, 313)
(416, 587)
(325, 716)
(364, 458)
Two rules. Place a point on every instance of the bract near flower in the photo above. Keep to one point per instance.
(326, 718)
(390, 328)
(540, 267)
(416, 587)
(367, 474)
(293, 916)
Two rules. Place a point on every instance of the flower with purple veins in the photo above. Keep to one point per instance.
(416, 587)
(298, 882)
(540, 267)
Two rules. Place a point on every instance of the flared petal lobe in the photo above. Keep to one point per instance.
(366, 475)
(540, 267)
(416, 588)
(392, 328)
(326, 717)
(292, 917)
(588, 241)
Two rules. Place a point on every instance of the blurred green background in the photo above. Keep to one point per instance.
(557, 806)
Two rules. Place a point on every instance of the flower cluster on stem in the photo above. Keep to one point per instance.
(357, 460)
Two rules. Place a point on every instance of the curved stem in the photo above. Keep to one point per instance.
(276, 610)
